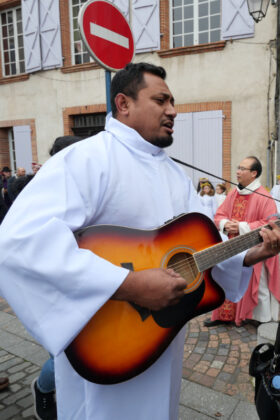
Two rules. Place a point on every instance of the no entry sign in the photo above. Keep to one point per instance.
(107, 34)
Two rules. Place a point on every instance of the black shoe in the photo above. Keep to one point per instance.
(253, 322)
(44, 403)
(209, 323)
(4, 383)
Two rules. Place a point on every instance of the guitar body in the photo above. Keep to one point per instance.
(122, 339)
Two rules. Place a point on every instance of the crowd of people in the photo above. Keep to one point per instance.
(122, 177)
(211, 198)
(12, 185)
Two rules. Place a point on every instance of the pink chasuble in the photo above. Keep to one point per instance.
(254, 210)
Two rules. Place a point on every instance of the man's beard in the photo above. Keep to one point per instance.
(162, 141)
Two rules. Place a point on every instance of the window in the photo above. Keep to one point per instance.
(195, 22)
(12, 42)
(80, 54)
(88, 124)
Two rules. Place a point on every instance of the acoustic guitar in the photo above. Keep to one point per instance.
(123, 339)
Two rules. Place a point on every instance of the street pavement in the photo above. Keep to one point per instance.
(215, 382)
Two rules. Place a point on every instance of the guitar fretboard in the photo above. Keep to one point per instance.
(211, 256)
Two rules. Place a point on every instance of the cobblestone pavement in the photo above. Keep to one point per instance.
(218, 357)
(21, 359)
(215, 370)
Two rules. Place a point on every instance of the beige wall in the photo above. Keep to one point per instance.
(243, 73)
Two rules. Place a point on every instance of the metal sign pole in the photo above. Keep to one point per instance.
(108, 90)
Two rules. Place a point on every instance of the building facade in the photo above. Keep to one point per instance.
(221, 70)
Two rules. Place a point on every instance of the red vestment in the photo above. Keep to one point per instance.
(253, 209)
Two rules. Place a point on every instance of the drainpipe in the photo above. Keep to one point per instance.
(268, 177)
(277, 94)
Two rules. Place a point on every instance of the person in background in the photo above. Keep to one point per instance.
(5, 175)
(122, 176)
(200, 182)
(221, 193)
(3, 208)
(275, 193)
(35, 167)
(61, 142)
(208, 200)
(20, 172)
(242, 211)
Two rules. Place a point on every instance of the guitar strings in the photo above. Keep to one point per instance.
(182, 266)
(227, 249)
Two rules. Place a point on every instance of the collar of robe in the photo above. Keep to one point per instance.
(249, 189)
(132, 139)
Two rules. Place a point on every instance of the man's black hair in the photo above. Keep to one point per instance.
(62, 142)
(131, 79)
(19, 184)
(256, 165)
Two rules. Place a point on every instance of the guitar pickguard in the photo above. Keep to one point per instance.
(180, 313)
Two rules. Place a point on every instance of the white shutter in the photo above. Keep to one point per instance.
(123, 5)
(23, 148)
(208, 144)
(50, 34)
(182, 147)
(146, 25)
(236, 21)
(31, 36)
(198, 140)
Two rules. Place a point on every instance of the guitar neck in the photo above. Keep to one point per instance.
(209, 257)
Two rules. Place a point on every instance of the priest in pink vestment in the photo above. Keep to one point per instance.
(241, 212)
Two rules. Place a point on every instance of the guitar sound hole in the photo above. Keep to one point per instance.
(184, 264)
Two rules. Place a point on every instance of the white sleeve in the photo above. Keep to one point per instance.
(222, 226)
(53, 286)
(244, 228)
(233, 277)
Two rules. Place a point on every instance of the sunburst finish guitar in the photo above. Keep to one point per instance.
(123, 339)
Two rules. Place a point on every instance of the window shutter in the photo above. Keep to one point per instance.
(182, 146)
(23, 148)
(31, 36)
(145, 25)
(198, 140)
(208, 144)
(123, 5)
(50, 34)
(236, 21)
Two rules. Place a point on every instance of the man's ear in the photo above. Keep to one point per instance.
(121, 101)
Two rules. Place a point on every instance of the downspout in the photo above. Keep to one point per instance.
(277, 94)
(268, 151)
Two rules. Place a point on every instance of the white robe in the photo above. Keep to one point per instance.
(54, 287)
(209, 204)
(275, 193)
(220, 198)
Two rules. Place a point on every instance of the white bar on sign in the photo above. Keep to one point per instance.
(111, 36)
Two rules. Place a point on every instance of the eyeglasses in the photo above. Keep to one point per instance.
(241, 168)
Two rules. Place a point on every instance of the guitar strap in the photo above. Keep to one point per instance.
(218, 177)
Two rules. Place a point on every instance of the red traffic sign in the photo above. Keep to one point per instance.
(106, 34)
